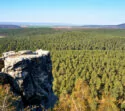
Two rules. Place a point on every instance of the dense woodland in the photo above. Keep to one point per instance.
(88, 65)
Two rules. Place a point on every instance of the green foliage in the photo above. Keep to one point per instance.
(101, 39)
(92, 56)
(7, 99)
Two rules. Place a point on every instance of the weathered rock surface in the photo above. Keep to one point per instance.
(32, 71)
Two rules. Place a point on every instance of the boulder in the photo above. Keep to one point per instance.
(32, 72)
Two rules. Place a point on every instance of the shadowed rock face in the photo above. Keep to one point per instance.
(1, 64)
(30, 76)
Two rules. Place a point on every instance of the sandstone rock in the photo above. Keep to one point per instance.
(10, 53)
(25, 52)
(32, 71)
(41, 52)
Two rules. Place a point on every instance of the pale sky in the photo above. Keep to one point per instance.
(80, 12)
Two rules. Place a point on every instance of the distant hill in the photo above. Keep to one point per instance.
(119, 26)
(9, 27)
(13, 25)
(33, 24)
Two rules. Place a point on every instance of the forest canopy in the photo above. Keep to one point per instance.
(88, 64)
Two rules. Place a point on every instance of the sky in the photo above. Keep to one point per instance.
(78, 12)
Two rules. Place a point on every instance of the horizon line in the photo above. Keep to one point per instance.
(55, 23)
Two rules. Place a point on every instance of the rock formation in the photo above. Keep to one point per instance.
(30, 76)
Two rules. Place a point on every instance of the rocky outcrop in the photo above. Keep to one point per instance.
(9, 27)
(1, 64)
(32, 75)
